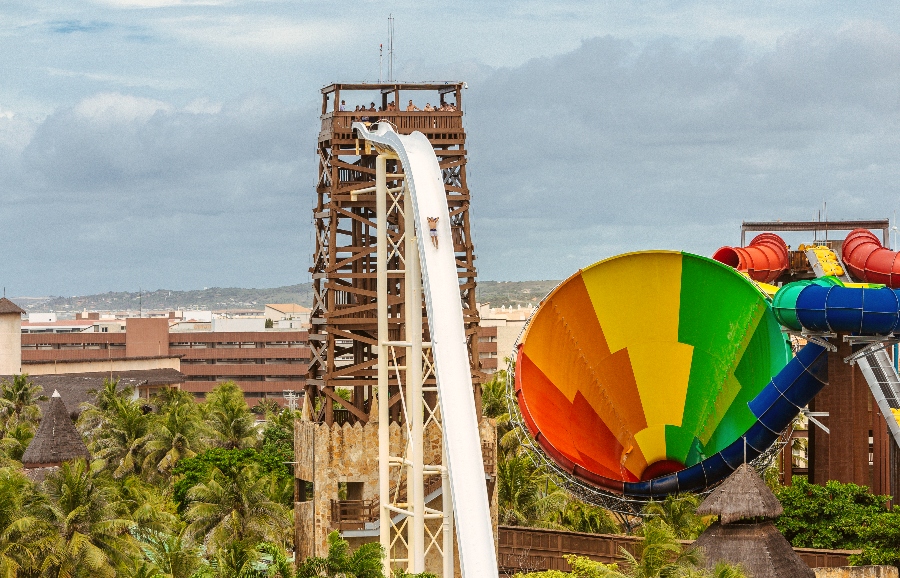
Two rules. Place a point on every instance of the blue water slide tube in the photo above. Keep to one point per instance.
(866, 311)
(775, 407)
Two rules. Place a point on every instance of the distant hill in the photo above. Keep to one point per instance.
(497, 293)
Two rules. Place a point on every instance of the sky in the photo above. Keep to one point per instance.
(171, 143)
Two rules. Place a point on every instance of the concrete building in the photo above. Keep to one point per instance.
(263, 363)
(500, 327)
(288, 315)
(10, 337)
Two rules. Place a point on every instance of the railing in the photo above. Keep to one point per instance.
(341, 416)
(353, 514)
(404, 122)
(535, 549)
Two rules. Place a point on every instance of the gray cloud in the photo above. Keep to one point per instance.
(125, 191)
(612, 147)
(615, 147)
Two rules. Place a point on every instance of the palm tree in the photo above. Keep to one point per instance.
(94, 536)
(96, 414)
(229, 418)
(23, 536)
(170, 553)
(365, 562)
(237, 507)
(121, 436)
(679, 512)
(19, 397)
(581, 517)
(493, 395)
(527, 495)
(18, 435)
(174, 434)
(169, 396)
(659, 554)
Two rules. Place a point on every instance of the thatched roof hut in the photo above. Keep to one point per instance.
(743, 496)
(56, 440)
(745, 533)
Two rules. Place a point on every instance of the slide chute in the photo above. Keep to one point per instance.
(869, 261)
(764, 259)
(652, 373)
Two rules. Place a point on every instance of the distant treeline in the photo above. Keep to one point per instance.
(497, 293)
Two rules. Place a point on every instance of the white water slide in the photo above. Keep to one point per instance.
(477, 556)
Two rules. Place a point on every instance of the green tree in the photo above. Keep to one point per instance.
(835, 515)
(94, 536)
(580, 517)
(120, 438)
(192, 471)
(679, 512)
(19, 397)
(170, 553)
(231, 424)
(493, 395)
(175, 434)
(659, 554)
(527, 495)
(23, 536)
(235, 507)
(365, 562)
(167, 397)
(18, 436)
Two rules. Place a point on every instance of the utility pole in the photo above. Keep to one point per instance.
(390, 47)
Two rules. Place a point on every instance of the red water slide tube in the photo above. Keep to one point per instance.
(868, 260)
(764, 259)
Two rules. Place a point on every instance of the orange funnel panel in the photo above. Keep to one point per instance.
(764, 259)
(868, 260)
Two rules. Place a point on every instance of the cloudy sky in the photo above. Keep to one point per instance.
(170, 143)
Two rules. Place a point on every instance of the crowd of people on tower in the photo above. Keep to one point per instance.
(392, 107)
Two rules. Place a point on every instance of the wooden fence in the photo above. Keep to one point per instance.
(535, 549)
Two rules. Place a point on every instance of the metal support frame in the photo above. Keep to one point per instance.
(398, 517)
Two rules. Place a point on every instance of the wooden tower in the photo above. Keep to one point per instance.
(343, 334)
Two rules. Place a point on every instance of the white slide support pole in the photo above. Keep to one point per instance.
(415, 489)
(477, 555)
(447, 507)
(384, 468)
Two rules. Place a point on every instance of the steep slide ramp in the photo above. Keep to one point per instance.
(477, 556)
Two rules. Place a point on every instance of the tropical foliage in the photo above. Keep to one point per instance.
(176, 489)
(844, 516)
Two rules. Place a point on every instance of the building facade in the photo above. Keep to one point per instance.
(263, 363)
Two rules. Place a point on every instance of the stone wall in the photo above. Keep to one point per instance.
(857, 572)
(330, 455)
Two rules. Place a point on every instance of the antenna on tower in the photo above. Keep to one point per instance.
(391, 47)
(380, 62)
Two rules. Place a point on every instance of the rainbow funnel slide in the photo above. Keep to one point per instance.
(659, 372)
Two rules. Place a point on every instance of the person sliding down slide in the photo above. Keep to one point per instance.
(432, 229)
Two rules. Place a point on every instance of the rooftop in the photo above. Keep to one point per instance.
(288, 307)
(742, 496)
(78, 388)
(7, 306)
(56, 440)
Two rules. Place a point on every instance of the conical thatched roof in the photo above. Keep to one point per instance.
(759, 548)
(7, 306)
(56, 440)
(743, 496)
